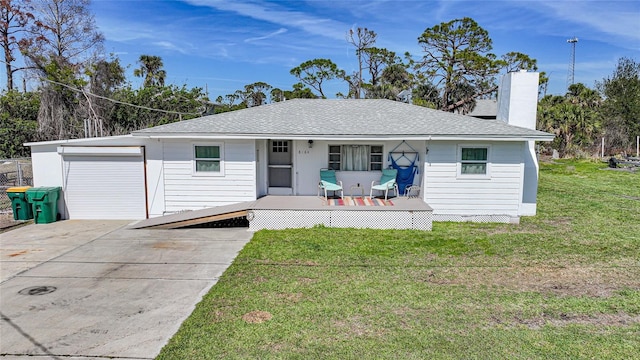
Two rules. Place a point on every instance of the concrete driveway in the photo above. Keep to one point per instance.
(96, 289)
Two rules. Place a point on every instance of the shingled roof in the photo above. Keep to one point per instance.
(342, 119)
(485, 109)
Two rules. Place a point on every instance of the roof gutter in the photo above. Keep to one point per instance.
(73, 141)
(350, 137)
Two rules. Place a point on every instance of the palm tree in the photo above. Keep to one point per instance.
(151, 70)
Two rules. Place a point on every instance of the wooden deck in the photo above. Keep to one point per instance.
(280, 212)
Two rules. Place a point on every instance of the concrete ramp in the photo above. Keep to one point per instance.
(195, 217)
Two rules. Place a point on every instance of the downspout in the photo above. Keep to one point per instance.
(64, 184)
(424, 171)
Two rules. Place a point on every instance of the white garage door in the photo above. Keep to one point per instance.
(106, 184)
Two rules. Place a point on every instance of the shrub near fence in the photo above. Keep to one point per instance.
(13, 172)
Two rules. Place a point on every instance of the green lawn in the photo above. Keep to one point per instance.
(564, 284)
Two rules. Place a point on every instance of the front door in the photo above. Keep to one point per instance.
(280, 167)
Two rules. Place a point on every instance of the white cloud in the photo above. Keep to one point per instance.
(270, 35)
(601, 15)
(277, 15)
(613, 22)
(122, 31)
(170, 46)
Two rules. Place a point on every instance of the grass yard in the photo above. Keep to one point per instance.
(562, 285)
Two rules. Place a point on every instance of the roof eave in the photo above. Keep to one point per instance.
(449, 137)
(72, 141)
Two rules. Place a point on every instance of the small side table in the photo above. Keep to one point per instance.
(356, 187)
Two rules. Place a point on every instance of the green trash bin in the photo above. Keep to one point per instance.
(19, 204)
(44, 203)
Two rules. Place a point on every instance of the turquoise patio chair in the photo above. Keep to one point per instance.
(328, 182)
(387, 182)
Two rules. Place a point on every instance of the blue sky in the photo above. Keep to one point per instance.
(225, 45)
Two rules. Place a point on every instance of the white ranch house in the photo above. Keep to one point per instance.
(278, 149)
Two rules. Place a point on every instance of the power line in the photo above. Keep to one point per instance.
(118, 101)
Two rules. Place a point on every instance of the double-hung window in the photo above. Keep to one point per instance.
(355, 157)
(473, 161)
(208, 159)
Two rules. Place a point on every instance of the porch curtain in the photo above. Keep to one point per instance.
(355, 157)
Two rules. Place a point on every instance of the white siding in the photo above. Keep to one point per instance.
(47, 166)
(448, 193)
(261, 167)
(530, 184)
(185, 191)
(47, 170)
(155, 178)
(307, 163)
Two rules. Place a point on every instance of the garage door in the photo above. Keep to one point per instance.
(104, 183)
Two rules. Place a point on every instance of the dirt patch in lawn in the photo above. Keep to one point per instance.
(593, 281)
(293, 298)
(558, 222)
(619, 319)
(260, 280)
(357, 326)
(631, 197)
(256, 317)
(292, 262)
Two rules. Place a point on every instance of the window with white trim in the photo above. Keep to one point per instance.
(355, 157)
(208, 159)
(473, 161)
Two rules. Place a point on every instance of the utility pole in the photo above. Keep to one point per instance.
(572, 63)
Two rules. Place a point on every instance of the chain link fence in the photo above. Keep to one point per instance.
(13, 172)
